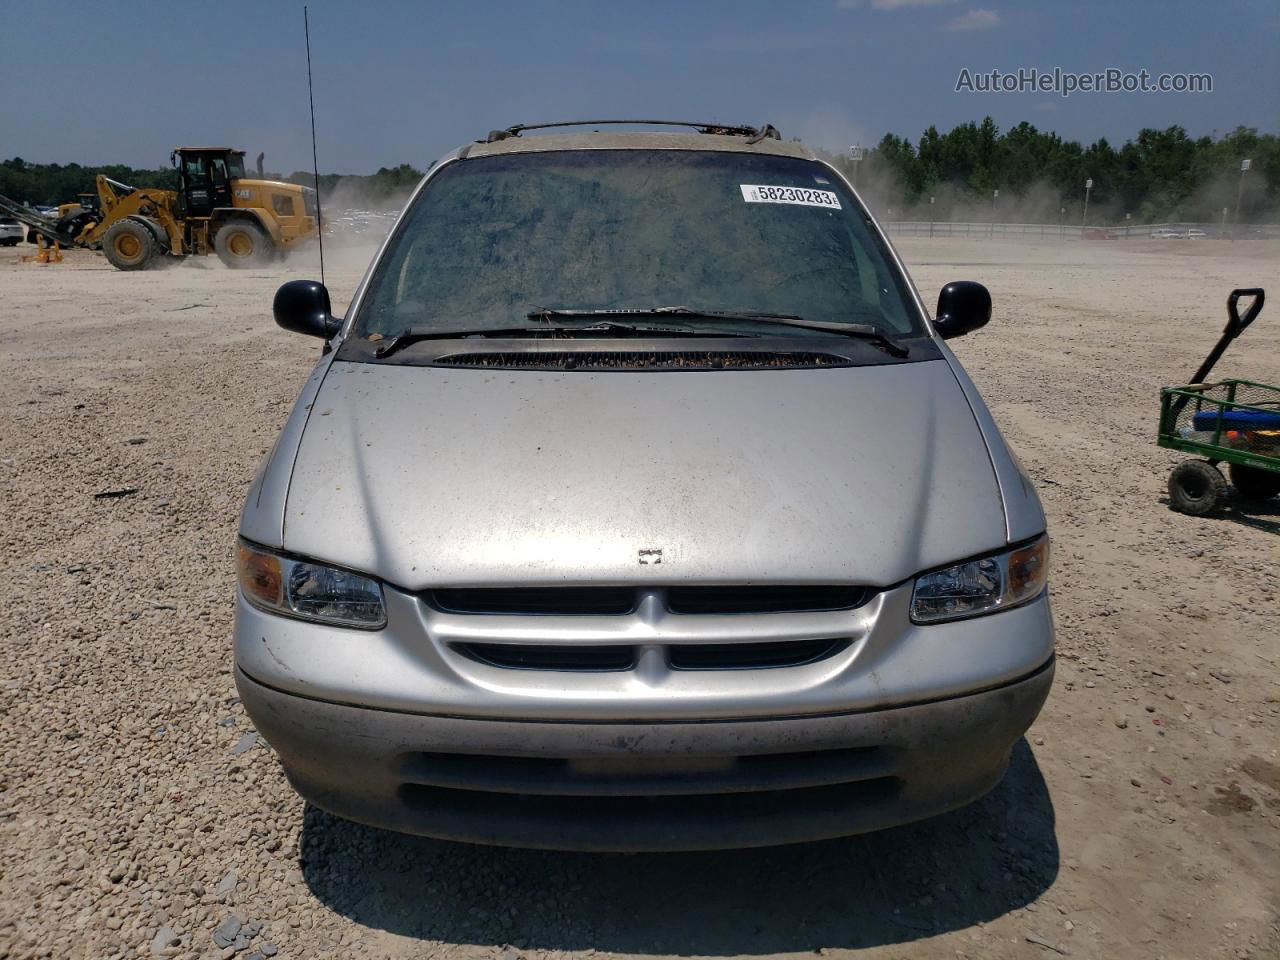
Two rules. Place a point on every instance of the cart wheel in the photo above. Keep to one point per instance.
(1196, 487)
(1254, 483)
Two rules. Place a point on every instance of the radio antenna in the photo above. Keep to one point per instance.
(315, 164)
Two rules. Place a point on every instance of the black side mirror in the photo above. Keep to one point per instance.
(963, 306)
(302, 306)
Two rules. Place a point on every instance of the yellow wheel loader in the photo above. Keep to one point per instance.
(216, 208)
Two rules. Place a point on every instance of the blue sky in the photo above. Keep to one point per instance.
(406, 81)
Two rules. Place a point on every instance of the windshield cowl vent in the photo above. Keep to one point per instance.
(645, 360)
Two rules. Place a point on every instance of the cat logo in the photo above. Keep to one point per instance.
(243, 193)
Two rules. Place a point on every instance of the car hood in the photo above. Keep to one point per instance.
(427, 476)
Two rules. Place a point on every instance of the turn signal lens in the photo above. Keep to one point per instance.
(1029, 570)
(260, 577)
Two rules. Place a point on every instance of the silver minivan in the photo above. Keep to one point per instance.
(638, 504)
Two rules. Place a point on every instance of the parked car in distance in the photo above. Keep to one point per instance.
(638, 504)
(1165, 233)
(1098, 233)
(10, 232)
(1194, 234)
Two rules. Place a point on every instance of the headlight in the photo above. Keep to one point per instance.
(982, 586)
(309, 591)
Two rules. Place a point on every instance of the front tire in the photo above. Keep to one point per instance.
(240, 244)
(1254, 483)
(129, 245)
(1196, 487)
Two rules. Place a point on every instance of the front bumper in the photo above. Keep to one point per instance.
(650, 785)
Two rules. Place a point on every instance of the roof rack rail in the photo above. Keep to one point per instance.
(753, 134)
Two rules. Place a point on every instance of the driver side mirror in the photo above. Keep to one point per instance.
(963, 306)
(302, 306)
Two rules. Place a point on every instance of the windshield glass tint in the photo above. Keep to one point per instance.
(493, 238)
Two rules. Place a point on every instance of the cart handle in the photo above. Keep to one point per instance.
(1235, 323)
(1235, 326)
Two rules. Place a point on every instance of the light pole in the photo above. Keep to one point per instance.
(991, 227)
(1222, 231)
(931, 199)
(1084, 217)
(855, 152)
(1244, 168)
(1126, 225)
(1062, 212)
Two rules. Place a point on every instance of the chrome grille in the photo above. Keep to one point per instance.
(746, 656)
(650, 630)
(692, 600)
(764, 599)
(564, 601)
(549, 656)
(685, 656)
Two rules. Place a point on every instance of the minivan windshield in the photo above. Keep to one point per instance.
(491, 239)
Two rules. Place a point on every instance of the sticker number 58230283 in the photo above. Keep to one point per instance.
(756, 193)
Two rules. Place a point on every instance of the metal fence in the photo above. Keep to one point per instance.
(1067, 231)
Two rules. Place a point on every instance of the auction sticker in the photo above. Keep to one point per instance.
(758, 193)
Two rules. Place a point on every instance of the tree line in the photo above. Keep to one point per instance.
(1160, 175)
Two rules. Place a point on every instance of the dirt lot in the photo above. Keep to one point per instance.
(1141, 817)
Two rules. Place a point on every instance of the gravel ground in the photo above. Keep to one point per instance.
(141, 815)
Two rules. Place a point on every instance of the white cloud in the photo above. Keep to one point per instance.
(974, 20)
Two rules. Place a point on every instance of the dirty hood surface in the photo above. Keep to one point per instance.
(429, 476)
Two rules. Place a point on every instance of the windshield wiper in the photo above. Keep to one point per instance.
(404, 338)
(864, 331)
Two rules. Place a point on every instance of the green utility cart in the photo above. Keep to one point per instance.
(1236, 422)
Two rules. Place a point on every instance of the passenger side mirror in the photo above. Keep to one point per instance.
(963, 306)
(302, 306)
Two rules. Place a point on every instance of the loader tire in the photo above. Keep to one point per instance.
(1254, 483)
(129, 245)
(242, 244)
